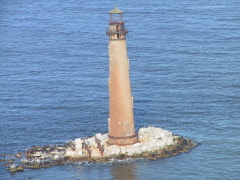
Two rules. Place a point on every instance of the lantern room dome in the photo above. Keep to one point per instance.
(115, 11)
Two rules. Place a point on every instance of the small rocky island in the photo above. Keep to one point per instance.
(122, 141)
(153, 143)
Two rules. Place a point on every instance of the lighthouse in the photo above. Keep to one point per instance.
(121, 118)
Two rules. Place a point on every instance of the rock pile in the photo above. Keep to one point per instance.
(153, 143)
(152, 140)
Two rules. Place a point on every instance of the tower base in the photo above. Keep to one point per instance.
(122, 141)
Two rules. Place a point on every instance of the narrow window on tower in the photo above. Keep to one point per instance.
(117, 28)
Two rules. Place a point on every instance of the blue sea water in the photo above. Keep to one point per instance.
(185, 76)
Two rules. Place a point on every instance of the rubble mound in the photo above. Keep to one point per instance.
(153, 143)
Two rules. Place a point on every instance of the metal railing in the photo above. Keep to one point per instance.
(112, 32)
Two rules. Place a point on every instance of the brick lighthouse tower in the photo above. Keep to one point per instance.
(121, 120)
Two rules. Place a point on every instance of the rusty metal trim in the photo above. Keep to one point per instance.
(126, 137)
(123, 144)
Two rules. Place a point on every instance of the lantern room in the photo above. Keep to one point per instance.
(115, 16)
(116, 29)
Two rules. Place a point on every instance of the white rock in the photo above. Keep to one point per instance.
(169, 142)
(78, 143)
(69, 152)
(91, 141)
(136, 144)
(13, 166)
(117, 151)
(56, 157)
(98, 136)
